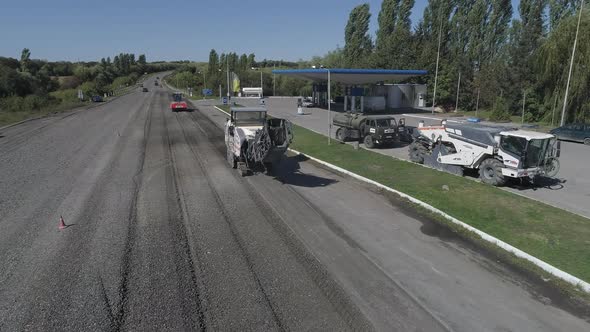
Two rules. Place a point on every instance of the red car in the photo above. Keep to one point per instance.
(178, 104)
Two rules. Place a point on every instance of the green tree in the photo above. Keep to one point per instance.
(387, 20)
(243, 62)
(559, 9)
(251, 60)
(25, 60)
(358, 45)
(525, 38)
(552, 66)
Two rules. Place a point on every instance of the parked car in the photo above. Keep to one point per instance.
(577, 132)
(97, 99)
(144, 90)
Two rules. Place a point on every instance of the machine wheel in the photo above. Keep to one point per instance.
(369, 143)
(231, 160)
(341, 134)
(552, 167)
(417, 152)
(587, 141)
(490, 172)
(268, 168)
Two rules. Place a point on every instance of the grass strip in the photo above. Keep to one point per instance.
(7, 118)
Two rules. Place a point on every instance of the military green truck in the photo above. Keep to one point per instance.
(373, 130)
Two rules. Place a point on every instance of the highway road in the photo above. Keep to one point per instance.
(163, 235)
(570, 190)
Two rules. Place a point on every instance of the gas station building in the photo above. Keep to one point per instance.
(377, 97)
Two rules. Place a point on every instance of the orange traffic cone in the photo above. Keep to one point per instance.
(62, 223)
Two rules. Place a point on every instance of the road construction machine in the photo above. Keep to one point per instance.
(497, 153)
(373, 130)
(254, 141)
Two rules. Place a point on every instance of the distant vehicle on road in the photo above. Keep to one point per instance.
(144, 90)
(156, 83)
(307, 102)
(97, 99)
(579, 132)
(178, 104)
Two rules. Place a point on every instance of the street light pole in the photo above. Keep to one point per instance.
(569, 76)
(329, 110)
(261, 86)
(437, 59)
(458, 88)
(227, 70)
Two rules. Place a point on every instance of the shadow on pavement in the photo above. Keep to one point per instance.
(542, 182)
(289, 173)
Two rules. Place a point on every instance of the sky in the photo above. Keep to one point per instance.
(178, 29)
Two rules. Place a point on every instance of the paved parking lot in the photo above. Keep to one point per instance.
(570, 190)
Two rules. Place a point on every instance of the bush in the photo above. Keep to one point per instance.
(26, 104)
(500, 110)
(65, 95)
(89, 89)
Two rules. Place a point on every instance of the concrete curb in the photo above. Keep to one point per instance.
(486, 237)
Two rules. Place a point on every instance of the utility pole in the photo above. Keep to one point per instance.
(274, 82)
(569, 76)
(477, 103)
(437, 57)
(329, 111)
(523, 104)
(554, 107)
(458, 87)
(227, 70)
(261, 86)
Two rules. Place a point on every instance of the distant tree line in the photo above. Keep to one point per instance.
(502, 61)
(28, 84)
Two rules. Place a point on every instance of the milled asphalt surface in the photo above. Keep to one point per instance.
(570, 190)
(163, 235)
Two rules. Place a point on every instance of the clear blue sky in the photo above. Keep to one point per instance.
(178, 29)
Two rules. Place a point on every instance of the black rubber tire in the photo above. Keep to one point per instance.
(552, 166)
(362, 129)
(417, 151)
(369, 143)
(268, 168)
(587, 140)
(490, 172)
(341, 134)
(231, 160)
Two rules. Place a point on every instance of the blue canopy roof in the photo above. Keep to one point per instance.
(351, 76)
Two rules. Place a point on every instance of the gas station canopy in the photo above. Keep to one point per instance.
(351, 76)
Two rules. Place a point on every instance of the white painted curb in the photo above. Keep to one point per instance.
(485, 236)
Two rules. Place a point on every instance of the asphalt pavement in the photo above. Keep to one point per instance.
(570, 190)
(162, 235)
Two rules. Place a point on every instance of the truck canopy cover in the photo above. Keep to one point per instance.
(248, 109)
(478, 133)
